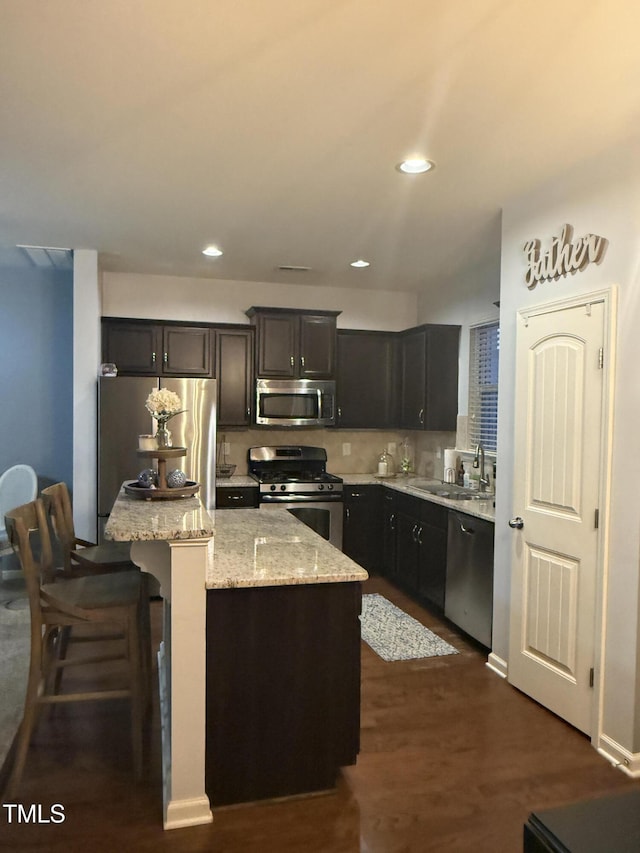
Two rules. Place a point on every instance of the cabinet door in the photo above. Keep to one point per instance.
(133, 347)
(389, 534)
(432, 563)
(277, 345)
(317, 347)
(407, 551)
(412, 380)
(186, 351)
(234, 359)
(362, 529)
(365, 380)
(429, 378)
(441, 393)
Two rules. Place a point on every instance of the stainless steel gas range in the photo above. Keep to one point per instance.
(294, 477)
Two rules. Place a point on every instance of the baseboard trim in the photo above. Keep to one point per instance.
(498, 665)
(628, 762)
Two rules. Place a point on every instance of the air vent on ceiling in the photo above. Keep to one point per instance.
(48, 256)
(293, 268)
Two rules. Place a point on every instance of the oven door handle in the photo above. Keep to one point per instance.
(321, 497)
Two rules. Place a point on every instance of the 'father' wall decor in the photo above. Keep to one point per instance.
(564, 256)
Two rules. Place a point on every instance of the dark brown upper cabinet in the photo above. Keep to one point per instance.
(157, 349)
(234, 360)
(186, 351)
(366, 379)
(429, 377)
(294, 344)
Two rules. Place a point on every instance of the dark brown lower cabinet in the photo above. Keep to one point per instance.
(361, 531)
(283, 689)
(389, 534)
(421, 548)
(236, 497)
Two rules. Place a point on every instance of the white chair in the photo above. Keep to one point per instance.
(18, 486)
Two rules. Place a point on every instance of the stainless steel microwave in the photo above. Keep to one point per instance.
(295, 402)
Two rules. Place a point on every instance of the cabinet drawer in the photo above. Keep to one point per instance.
(236, 497)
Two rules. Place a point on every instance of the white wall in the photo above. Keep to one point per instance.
(601, 198)
(86, 360)
(216, 301)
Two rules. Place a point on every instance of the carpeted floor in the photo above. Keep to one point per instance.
(394, 635)
(14, 658)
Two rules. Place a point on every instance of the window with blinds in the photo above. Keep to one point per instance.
(483, 385)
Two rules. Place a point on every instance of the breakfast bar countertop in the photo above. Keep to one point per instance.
(135, 520)
(257, 548)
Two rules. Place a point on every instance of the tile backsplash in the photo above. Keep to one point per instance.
(348, 451)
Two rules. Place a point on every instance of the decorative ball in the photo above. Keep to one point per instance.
(176, 479)
(148, 478)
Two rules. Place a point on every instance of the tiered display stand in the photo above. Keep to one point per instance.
(162, 491)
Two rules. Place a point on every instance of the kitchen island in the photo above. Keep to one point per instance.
(269, 705)
(283, 659)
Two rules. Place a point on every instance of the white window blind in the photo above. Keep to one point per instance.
(483, 385)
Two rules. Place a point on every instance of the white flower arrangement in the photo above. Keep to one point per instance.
(163, 404)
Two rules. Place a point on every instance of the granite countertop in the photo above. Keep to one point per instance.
(255, 548)
(237, 481)
(134, 520)
(410, 485)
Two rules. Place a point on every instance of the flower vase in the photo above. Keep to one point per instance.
(163, 436)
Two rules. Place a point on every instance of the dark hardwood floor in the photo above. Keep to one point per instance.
(452, 759)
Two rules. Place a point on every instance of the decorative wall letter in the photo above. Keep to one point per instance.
(563, 257)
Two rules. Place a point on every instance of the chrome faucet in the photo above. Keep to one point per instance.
(478, 462)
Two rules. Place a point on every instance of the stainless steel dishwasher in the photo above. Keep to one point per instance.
(469, 583)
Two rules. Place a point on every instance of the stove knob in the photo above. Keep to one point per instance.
(273, 488)
(283, 488)
(320, 487)
(330, 487)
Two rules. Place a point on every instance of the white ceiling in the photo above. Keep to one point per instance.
(147, 129)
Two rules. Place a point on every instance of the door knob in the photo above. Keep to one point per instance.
(516, 523)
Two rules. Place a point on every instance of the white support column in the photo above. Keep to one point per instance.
(180, 566)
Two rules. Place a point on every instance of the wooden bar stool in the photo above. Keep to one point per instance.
(79, 555)
(81, 558)
(113, 600)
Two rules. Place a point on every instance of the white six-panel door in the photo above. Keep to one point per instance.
(558, 440)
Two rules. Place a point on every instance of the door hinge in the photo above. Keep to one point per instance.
(591, 677)
(601, 358)
(596, 519)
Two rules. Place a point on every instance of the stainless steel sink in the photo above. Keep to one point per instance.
(453, 493)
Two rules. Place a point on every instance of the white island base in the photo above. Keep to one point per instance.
(180, 567)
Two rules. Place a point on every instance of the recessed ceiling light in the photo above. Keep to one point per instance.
(212, 252)
(360, 263)
(415, 166)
